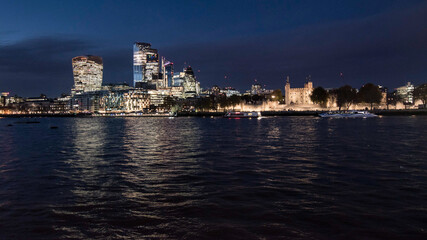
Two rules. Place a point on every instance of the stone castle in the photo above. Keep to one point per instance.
(300, 96)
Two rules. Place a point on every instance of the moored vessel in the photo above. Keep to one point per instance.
(347, 114)
(242, 115)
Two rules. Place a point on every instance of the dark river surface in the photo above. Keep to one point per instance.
(214, 178)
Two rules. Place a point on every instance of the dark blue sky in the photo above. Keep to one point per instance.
(384, 41)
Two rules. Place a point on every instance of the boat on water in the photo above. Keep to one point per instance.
(242, 115)
(347, 114)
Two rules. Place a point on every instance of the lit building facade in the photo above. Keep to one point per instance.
(190, 85)
(87, 71)
(256, 89)
(178, 79)
(132, 100)
(406, 93)
(298, 95)
(124, 101)
(229, 91)
(167, 70)
(145, 64)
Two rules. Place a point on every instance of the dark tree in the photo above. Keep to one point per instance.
(370, 93)
(205, 103)
(320, 96)
(393, 98)
(420, 93)
(234, 100)
(223, 101)
(277, 95)
(246, 98)
(256, 98)
(169, 102)
(346, 95)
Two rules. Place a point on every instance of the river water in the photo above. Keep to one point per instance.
(214, 178)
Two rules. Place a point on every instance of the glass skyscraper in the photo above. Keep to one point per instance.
(87, 71)
(168, 72)
(145, 63)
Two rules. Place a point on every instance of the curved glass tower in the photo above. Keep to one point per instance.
(87, 71)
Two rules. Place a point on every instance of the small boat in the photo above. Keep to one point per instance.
(242, 115)
(347, 114)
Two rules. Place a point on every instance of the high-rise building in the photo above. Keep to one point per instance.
(178, 79)
(256, 89)
(406, 93)
(186, 81)
(190, 84)
(167, 71)
(87, 71)
(145, 64)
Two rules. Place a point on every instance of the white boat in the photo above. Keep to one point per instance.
(347, 114)
(242, 115)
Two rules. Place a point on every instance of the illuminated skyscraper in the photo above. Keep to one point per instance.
(145, 63)
(87, 71)
(167, 71)
(406, 93)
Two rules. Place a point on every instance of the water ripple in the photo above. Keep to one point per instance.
(213, 178)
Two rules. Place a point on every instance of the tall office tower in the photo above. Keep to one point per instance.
(145, 64)
(190, 84)
(406, 93)
(167, 70)
(87, 71)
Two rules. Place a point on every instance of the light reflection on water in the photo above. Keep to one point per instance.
(196, 178)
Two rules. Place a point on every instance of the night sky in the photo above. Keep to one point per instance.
(383, 42)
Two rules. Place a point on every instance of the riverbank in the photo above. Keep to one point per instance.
(405, 112)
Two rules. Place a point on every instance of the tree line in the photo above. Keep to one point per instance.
(344, 96)
(369, 93)
(220, 101)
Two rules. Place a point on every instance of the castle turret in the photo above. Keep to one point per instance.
(287, 91)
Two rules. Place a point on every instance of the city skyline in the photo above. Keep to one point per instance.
(380, 42)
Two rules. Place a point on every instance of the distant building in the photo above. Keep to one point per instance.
(86, 102)
(256, 89)
(178, 79)
(131, 100)
(406, 93)
(298, 95)
(384, 92)
(177, 92)
(87, 71)
(191, 86)
(3, 97)
(229, 91)
(215, 90)
(145, 64)
(124, 101)
(186, 81)
(8, 101)
(116, 87)
(167, 72)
